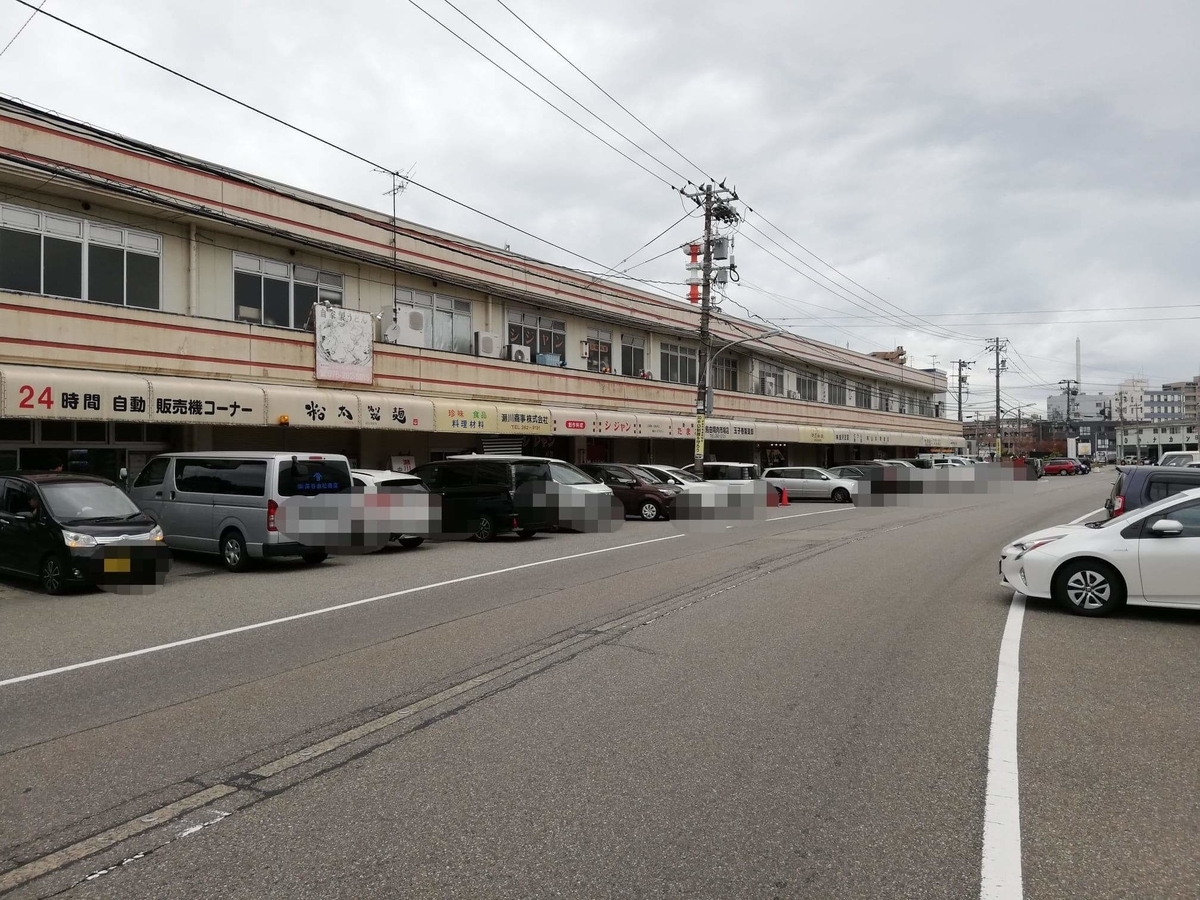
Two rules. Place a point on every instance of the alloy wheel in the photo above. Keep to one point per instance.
(1088, 589)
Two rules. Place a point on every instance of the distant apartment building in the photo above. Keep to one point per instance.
(1083, 407)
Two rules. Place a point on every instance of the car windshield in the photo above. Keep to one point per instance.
(565, 473)
(684, 475)
(647, 475)
(85, 501)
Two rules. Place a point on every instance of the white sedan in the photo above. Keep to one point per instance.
(1148, 558)
(811, 483)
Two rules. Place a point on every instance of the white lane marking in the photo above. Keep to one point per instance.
(158, 648)
(1001, 873)
(819, 512)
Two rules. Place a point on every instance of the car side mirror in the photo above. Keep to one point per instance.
(824, 477)
(1166, 528)
(124, 474)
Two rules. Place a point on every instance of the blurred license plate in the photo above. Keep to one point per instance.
(116, 565)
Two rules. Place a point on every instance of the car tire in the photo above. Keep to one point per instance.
(409, 543)
(526, 533)
(1063, 472)
(52, 574)
(649, 511)
(1089, 587)
(485, 529)
(234, 554)
(840, 495)
(314, 557)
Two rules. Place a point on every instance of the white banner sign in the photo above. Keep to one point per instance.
(344, 342)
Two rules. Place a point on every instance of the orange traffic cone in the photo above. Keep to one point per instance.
(783, 500)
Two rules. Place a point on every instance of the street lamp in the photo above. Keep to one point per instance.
(702, 411)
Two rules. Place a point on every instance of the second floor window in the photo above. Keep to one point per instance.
(885, 399)
(539, 333)
(807, 387)
(770, 380)
(862, 396)
(837, 390)
(678, 364)
(447, 320)
(269, 292)
(633, 355)
(725, 374)
(59, 256)
(599, 357)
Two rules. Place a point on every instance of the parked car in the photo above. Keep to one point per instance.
(1147, 558)
(1181, 458)
(373, 481)
(1059, 467)
(683, 478)
(1081, 467)
(848, 472)
(731, 471)
(65, 530)
(811, 483)
(226, 502)
(1137, 486)
(481, 493)
(642, 493)
(900, 463)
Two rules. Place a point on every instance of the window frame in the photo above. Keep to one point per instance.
(808, 379)
(635, 345)
(836, 387)
(682, 354)
(87, 233)
(769, 372)
(540, 325)
(262, 273)
(725, 373)
(600, 343)
(456, 308)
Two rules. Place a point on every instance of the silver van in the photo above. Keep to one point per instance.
(225, 502)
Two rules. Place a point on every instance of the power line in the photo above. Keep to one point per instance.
(1053, 311)
(623, 108)
(24, 25)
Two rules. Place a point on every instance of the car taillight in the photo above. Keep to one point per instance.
(1118, 505)
(272, 509)
(514, 523)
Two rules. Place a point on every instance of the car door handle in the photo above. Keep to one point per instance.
(172, 495)
(158, 495)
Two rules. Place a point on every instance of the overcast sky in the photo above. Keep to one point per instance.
(956, 159)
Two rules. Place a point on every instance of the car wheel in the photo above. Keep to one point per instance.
(233, 551)
(485, 529)
(526, 533)
(314, 557)
(840, 495)
(409, 543)
(1063, 472)
(649, 511)
(1088, 587)
(52, 575)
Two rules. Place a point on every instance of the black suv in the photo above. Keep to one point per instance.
(68, 530)
(1137, 486)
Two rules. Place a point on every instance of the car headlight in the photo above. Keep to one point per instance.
(75, 539)
(156, 533)
(1024, 547)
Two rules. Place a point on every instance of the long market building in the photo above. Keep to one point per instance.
(152, 301)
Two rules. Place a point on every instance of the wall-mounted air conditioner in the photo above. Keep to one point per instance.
(488, 344)
(408, 329)
(793, 395)
(768, 389)
(517, 353)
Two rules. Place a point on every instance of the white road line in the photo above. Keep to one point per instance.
(158, 648)
(1001, 873)
(819, 512)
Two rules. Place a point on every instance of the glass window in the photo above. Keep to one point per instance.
(770, 379)
(493, 473)
(141, 280)
(311, 477)
(599, 350)
(1187, 515)
(56, 430)
(153, 473)
(83, 501)
(679, 364)
(18, 498)
(806, 386)
(837, 390)
(564, 473)
(276, 303)
(527, 472)
(20, 261)
(447, 320)
(63, 275)
(862, 396)
(725, 374)
(457, 476)
(633, 355)
(16, 430)
(106, 274)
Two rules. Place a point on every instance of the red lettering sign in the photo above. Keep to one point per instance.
(575, 424)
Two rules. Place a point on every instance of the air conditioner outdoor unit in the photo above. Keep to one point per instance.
(517, 353)
(488, 344)
(793, 395)
(768, 389)
(408, 329)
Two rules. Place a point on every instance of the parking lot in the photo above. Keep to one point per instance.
(795, 707)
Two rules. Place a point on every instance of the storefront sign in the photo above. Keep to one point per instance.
(683, 428)
(610, 424)
(742, 431)
(33, 393)
(718, 429)
(579, 422)
(524, 420)
(815, 434)
(344, 341)
(654, 426)
(312, 408)
(463, 417)
(699, 428)
(395, 412)
(206, 402)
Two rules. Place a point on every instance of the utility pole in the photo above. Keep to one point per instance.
(1071, 389)
(716, 201)
(962, 366)
(998, 344)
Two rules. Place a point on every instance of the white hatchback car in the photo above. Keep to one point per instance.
(1148, 558)
(371, 480)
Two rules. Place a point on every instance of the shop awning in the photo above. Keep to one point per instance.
(615, 424)
(524, 420)
(683, 427)
(395, 412)
(36, 393)
(464, 417)
(311, 407)
(651, 426)
(776, 433)
(815, 434)
(744, 431)
(196, 401)
(578, 422)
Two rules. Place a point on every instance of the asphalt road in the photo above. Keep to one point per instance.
(792, 708)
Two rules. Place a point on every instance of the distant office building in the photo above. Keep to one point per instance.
(1084, 407)
(1166, 405)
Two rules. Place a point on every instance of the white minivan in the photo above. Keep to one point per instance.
(225, 502)
(1181, 458)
